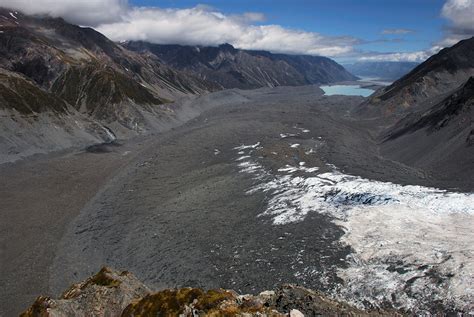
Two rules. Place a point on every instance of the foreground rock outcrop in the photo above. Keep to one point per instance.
(112, 293)
(105, 294)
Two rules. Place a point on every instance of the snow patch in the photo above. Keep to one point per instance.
(303, 130)
(250, 167)
(244, 147)
(287, 135)
(110, 134)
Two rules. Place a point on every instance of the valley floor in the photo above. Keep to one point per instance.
(252, 193)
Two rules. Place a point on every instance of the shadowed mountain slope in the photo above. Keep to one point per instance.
(424, 86)
(440, 139)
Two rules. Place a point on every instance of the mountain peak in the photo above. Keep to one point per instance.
(227, 47)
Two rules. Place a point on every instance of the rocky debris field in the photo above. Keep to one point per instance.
(254, 190)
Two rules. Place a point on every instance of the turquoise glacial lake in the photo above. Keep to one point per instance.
(348, 90)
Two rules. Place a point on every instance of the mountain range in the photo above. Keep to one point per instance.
(229, 67)
(91, 89)
(62, 85)
(381, 70)
(55, 74)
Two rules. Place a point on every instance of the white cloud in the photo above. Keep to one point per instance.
(418, 56)
(84, 12)
(201, 25)
(205, 26)
(397, 31)
(460, 14)
(252, 17)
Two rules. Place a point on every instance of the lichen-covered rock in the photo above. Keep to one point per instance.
(196, 302)
(105, 294)
(110, 293)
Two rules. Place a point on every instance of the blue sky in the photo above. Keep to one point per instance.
(346, 30)
(364, 19)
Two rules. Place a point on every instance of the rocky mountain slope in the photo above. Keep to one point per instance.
(440, 139)
(113, 293)
(424, 86)
(229, 67)
(51, 52)
(425, 119)
(62, 85)
(381, 70)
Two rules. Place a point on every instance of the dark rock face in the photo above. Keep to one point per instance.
(112, 293)
(19, 94)
(470, 138)
(382, 70)
(456, 109)
(229, 67)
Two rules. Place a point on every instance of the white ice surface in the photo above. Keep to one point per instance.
(420, 233)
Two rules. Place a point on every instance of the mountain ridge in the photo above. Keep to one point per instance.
(426, 119)
(424, 86)
(440, 140)
(246, 69)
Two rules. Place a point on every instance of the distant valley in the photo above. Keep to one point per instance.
(388, 71)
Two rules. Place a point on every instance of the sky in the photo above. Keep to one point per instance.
(345, 30)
